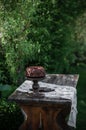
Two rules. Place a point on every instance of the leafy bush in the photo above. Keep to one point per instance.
(6, 90)
(42, 33)
(10, 116)
(4, 72)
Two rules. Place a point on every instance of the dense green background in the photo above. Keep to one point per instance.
(50, 33)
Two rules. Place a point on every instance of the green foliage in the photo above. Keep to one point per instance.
(81, 96)
(10, 116)
(51, 33)
(18, 49)
(4, 73)
(42, 33)
(5, 89)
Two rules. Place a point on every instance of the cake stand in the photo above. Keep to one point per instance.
(35, 87)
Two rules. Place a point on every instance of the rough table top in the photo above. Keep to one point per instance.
(58, 79)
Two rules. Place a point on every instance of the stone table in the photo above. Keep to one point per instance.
(45, 113)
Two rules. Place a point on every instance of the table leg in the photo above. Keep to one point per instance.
(32, 121)
(51, 118)
(26, 122)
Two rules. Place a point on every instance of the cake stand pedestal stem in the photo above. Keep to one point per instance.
(35, 86)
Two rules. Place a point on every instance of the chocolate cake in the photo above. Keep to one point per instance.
(35, 72)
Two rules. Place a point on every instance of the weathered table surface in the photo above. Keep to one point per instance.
(46, 113)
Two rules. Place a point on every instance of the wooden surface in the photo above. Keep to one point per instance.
(45, 117)
(59, 79)
(46, 113)
(62, 79)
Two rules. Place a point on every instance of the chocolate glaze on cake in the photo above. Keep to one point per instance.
(35, 72)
